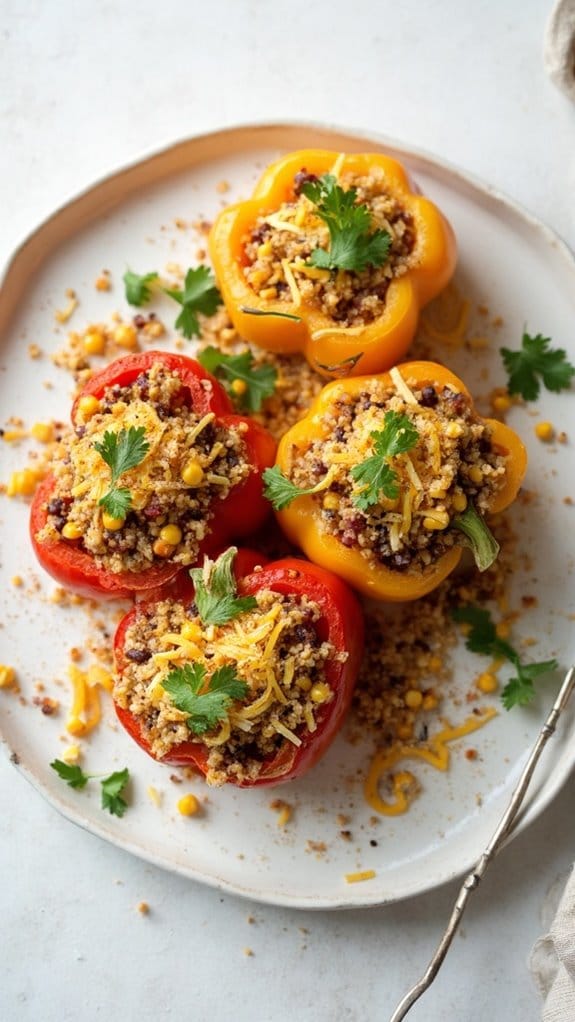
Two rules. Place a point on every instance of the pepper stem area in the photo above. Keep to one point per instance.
(481, 541)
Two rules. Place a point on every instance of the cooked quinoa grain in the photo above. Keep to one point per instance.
(192, 464)
(277, 256)
(452, 465)
(275, 648)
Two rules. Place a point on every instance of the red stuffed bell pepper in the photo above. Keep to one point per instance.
(158, 472)
(247, 677)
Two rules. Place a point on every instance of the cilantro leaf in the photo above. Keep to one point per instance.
(536, 360)
(374, 474)
(479, 537)
(215, 590)
(483, 638)
(73, 775)
(121, 452)
(280, 491)
(352, 246)
(200, 294)
(204, 708)
(138, 287)
(255, 383)
(112, 788)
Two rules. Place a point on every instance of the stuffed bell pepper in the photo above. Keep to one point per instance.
(333, 256)
(389, 477)
(157, 471)
(247, 676)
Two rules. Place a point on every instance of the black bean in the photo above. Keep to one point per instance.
(303, 178)
(428, 397)
(139, 656)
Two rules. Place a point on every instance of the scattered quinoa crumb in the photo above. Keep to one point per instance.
(248, 952)
(143, 908)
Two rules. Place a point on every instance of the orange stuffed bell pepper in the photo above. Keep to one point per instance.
(388, 477)
(333, 256)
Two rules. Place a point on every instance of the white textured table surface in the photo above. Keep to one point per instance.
(83, 88)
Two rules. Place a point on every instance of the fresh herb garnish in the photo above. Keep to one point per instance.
(121, 451)
(263, 312)
(280, 491)
(200, 294)
(375, 475)
(352, 244)
(483, 638)
(342, 368)
(252, 383)
(534, 362)
(215, 590)
(480, 539)
(137, 287)
(112, 786)
(205, 700)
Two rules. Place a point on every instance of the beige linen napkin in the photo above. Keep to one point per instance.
(553, 956)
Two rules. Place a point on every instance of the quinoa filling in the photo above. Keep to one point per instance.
(278, 249)
(191, 464)
(452, 466)
(276, 649)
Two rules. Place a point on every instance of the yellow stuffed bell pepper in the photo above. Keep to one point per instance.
(333, 256)
(388, 477)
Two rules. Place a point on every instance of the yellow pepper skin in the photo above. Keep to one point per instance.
(300, 521)
(330, 349)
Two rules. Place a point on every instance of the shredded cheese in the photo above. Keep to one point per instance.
(401, 387)
(291, 283)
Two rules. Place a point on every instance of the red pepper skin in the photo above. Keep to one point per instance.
(242, 512)
(341, 623)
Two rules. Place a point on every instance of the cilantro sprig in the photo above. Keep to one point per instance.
(375, 475)
(205, 699)
(112, 786)
(248, 384)
(199, 294)
(215, 590)
(352, 244)
(137, 287)
(280, 491)
(482, 638)
(478, 537)
(121, 452)
(534, 363)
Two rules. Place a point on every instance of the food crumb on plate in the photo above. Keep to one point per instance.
(360, 876)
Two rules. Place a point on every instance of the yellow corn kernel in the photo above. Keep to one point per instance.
(459, 501)
(72, 531)
(501, 403)
(110, 523)
(405, 731)
(188, 805)
(437, 492)
(331, 501)
(162, 549)
(22, 483)
(476, 474)
(171, 534)
(304, 683)
(102, 283)
(125, 336)
(430, 702)
(320, 692)
(239, 387)
(440, 520)
(191, 631)
(71, 754)
(265, 249)
(268, 293)
(7, 676)
(502, 630)
(545, 431)
(413, 699)
(94, 342)
(88, 406)
(487, 683)
(257, 277)
(453, 429)
(192, 473)
(43, 432)
(17, 581)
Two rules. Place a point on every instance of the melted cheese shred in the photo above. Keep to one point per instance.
(85, 711)
(403, 783)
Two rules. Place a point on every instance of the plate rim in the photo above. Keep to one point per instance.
(11, 265)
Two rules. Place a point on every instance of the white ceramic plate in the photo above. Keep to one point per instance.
(508, 261)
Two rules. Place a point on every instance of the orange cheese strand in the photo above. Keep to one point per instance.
(404, 784)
